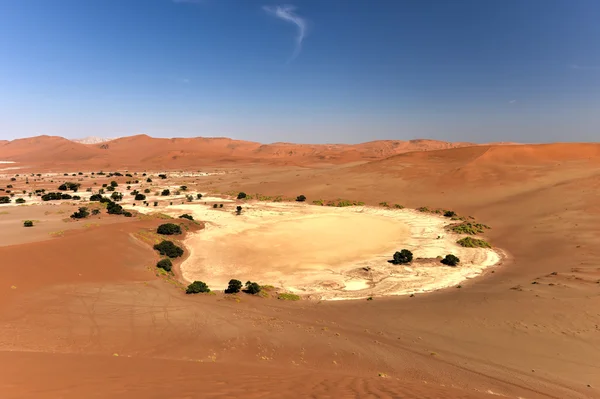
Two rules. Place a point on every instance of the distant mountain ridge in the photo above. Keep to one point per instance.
(146, 151)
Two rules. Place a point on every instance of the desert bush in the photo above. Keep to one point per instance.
(183, 188)
(301, 198)
(165, 192)
(13, 179)
(140, 197)
(148, 180)
(162, 176)
(252, 288)
(116, 196)
(471, 242)
(197, 287)
(450, 260)
(113, 184)
(127, 214)
(147, 191)
(469, 228)
(81, 213)
(404, 256)
(69, 186)
(169, 249)
(398, 206)
(423, 209)
(241, 195)
(165, 264)
(199, 196)
(9, 186)
(20, 200)
(449, 214)
(114, 209)
(155, 203)
(186, 216)
(238, 210)
(234, 287)
(168, 229)
(288, 296)
(190, 198)
(96, 197)
(384, 204)
(215, 206)
(220, 205)
(76, 197)
(318, 202)
(28, 223)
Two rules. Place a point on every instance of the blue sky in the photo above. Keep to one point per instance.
(304, 71)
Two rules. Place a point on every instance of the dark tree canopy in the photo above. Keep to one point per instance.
(4, 200)
(234, 287)
(450, 260)
(165, 264)
(241, 195)
(81, 213)
(140, 197)
(169, 249)
(165, 192)
(301, 198)
(169, 229)
(186, 216)
(252, 287)
(197, 287)
(404, 256)
(28, 223)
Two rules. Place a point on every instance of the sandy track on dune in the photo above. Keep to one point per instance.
(325, 252)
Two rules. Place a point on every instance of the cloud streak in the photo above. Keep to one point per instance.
(286, 13)
(584, 67)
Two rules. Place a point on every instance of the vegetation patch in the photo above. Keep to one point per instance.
(450, 260)
(165, 264)
(288, 296)
(197, 287)
(470, 242)
(28, 223)
(402, 257)
(169, 249)
(468, 228)
(169, 229)
(234, 287)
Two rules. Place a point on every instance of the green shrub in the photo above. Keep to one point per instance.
(186, 216)
(4, 200)
(169, 249)
(234, 287)
(165, 264)
(471, 242)
(28, 223)
(241, 195)
(252, 288)
(469, 228)
(113, 184)
(162, 176)
(20, 200)
(197, 287)
(449, 214)
(450, 260)
(220, 205)
(81, 213)
(165, 192)
(287, 296)
(423, 209)
(384, 204)
(95, 211)
(148, 180)
(398, 206)
(183, 188)
(301, 198)
(215, 206)
(199, 196)
(147, 191)
(168, 229)
(140, 197)
(404, 256)
(238, 210)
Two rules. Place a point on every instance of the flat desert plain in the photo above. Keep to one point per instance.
(85, 312)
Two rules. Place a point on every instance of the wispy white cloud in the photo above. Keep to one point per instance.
(286, 13)
(584, 67)
(512, 101)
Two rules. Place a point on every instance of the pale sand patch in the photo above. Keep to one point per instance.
(330, 253)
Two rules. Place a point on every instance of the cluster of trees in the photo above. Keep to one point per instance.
(168, 229)
(186, 216)
(82, 213)
(55, 197)
(4, 200)
(450, 260)
(112, 208)
(168, 248)
(235, 286)
(69, 186)
(402, 257)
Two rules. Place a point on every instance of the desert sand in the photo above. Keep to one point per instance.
(86, 312)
